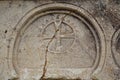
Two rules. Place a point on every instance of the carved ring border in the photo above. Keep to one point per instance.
(80, 11)
(115, 38)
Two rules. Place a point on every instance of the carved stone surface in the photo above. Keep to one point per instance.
(53, 35)
(116, 47)
(59, 40)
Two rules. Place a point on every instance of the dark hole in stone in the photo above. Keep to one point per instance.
(19, 5)
(13, 79)
(5, 31)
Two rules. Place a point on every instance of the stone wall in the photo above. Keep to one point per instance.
(60, 40)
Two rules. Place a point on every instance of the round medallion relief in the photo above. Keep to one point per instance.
(116, 47)
(62, 36)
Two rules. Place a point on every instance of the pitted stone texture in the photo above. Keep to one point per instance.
(56, 40)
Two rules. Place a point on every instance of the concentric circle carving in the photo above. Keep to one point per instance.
(116, 47)
(64, 35)
(69, 35)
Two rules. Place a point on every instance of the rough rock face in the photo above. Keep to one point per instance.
(60, 40)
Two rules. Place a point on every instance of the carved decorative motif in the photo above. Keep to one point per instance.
(58, 37)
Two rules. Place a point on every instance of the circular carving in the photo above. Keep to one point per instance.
(65, 34)
(116, 47)
(70, 36)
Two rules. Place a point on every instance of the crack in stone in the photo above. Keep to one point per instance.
(46, 51)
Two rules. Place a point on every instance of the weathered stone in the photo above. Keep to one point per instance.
(59, 40)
